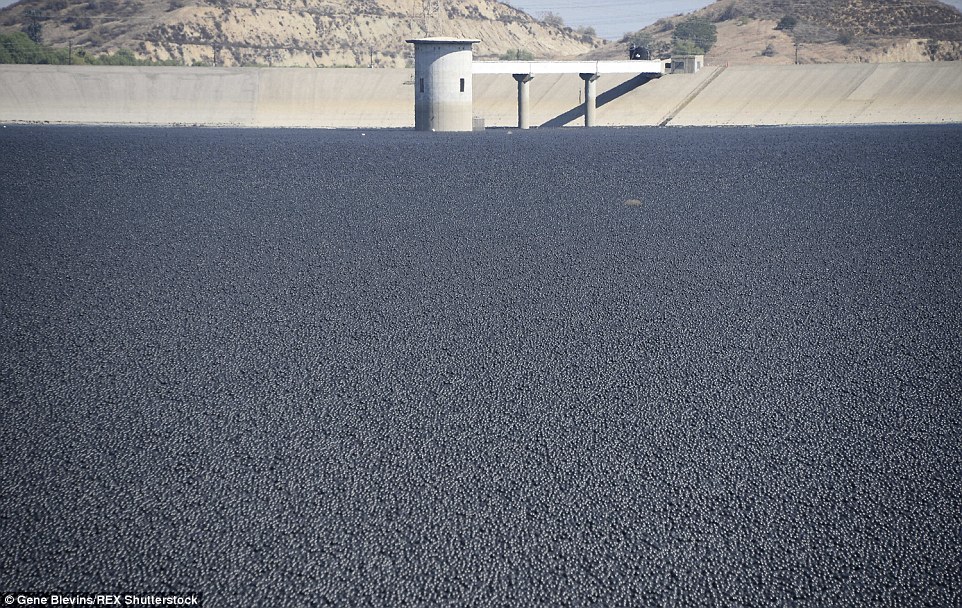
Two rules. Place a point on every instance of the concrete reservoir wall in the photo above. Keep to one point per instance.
(250, 97)
(383, 98)
(830, 94)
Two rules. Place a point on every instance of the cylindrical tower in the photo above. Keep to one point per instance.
(442, 84)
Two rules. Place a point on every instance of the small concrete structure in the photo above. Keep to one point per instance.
(442, 84)
(687, 64)
(524, 71)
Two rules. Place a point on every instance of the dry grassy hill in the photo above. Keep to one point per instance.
(288, 32)
(827, 31)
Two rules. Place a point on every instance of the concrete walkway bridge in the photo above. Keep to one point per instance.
(589, 71)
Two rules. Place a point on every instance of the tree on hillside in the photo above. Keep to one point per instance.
(645, 40)
(34, 29)
(552, 19)
(687, 47)
(694, 36)
(19, 48)
(639, 38)
(729, 13)
(517, 55)
(788, 22)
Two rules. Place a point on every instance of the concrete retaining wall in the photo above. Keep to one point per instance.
(281, 97)
(886, 93)
(384, 98)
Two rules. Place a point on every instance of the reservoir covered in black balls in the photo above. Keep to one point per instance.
(619, 367)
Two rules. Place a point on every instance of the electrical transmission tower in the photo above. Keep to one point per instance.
(34, 29)
(432, 16)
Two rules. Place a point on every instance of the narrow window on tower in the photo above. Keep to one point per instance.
(462, 85)
(422, 85)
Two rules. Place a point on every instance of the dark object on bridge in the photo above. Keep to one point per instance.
(639, 52)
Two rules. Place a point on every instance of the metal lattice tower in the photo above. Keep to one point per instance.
(35, 27)
(432, 16)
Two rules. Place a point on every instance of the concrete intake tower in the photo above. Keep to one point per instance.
(442, 83)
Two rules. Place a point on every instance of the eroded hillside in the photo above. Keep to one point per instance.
(824, 31)
(288, 32)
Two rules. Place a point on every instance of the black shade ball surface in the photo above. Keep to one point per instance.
(620, 367)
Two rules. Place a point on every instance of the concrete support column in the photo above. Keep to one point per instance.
(591, 97)
(524, 98)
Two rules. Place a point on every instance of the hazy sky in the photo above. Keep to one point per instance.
(611, 18)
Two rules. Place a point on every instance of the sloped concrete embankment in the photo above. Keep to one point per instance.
(830, 94)
(384, 98)
(837, 94)
(249, 97)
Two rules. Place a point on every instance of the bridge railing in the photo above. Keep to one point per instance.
(568, 67)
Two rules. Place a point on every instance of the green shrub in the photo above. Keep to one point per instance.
(551, 19)
(694, 36)
(34, 31)
(517, 55)
(664, 25)
(687, 47)
(18, 48)
(787, 22)
(639, 38)
(730, 12)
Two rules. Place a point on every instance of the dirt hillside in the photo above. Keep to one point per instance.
(289, 32)
(826, 31)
